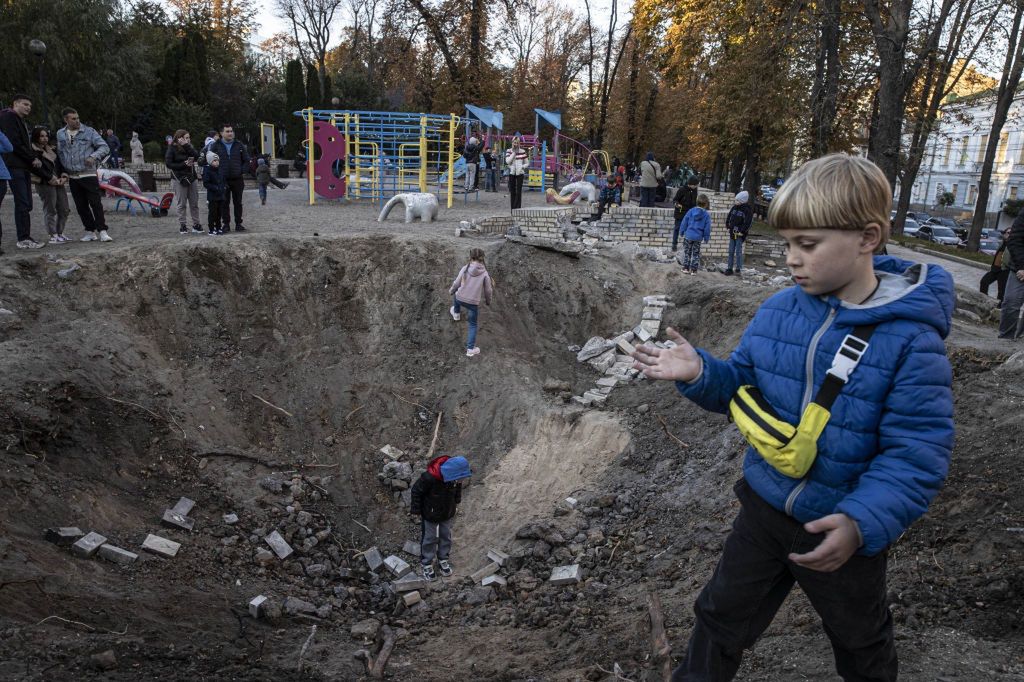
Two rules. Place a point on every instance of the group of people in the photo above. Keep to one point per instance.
(693, 224)
(54, 166)
(517, 162)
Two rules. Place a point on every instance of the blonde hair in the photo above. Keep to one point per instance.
(834, 192)
(703, 201)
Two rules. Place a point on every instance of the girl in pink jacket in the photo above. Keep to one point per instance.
(471, 286)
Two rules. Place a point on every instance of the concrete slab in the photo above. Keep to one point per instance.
(161, 546)
(392, 452)
(410, 598)
(172, 519)
(497, 556)
(117, 555)
(397, 566)
(625, 346)
(373, 559)
(410, 582)
(230, 519)
(256, 606)
(489, 569)
(411, 547)
(183, 506)
(565, 575)
(63, 536)
(493, 580)
(88, 545)
(280, 546)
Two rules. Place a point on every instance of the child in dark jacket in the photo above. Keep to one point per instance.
(216, 188)
(685, 199)
(738, 224)
(435, 498)
(695, 228)
(875, 436)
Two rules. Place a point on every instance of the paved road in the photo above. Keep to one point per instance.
(965, 275)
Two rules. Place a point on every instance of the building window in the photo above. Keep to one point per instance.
(952, 190)
(1004, 140)
(981, 149)
(1013, 194)
(963, 152)
(949, 152)
(972, 195)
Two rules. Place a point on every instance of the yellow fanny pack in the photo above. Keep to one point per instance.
(791, 450)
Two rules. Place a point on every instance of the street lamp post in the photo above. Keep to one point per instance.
(38, 48)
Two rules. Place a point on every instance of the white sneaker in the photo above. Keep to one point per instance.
(472, 352)
(55, 239)
(104, 237)
(90, 237)
(455, 316)
(29, 244)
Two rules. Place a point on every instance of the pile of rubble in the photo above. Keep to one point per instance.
(613, 357)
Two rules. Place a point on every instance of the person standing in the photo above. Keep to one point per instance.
(696, 227)
(115, 148)
(471, 153)
(5, 175)
(213, 181)
(138, 157)
(997, 273)
(685, 199)
(1013, 299)
(81, 149)
(51, 185)
(650, 174)
(489, 184)
(435, 498)
(518, 161)
(234, 159)
(21, 165)
(741, 215)
(299, 163)
(182, 159)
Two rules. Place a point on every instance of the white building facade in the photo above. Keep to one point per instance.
(956, 150)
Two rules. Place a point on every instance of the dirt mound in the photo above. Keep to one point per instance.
(205, 369)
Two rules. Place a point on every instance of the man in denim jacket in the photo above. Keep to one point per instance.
(81, 149)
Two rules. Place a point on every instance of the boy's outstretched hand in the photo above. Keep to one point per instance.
(841, 541)
(677, 364)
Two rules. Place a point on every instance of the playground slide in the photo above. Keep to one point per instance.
(460, 170)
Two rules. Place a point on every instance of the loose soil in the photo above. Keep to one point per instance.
(147, 374)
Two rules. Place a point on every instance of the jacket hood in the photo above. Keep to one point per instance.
(742, 198)
(920, 292)
(455, 469)
(434, 466)
(476, 269)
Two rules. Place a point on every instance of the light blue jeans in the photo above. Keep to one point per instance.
(471, 313)
(736, 247)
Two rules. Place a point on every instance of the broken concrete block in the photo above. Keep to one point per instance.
(658, 300)
(397, 566)
(489, 569)
(117, 555)
(565, 575)
(652, 326)
(642, 335)
(293, 606)
(373, 559)
(580, 400)
(410, 582)
(410, 598)
(280, 546)
(497, 556)
(604, 390)
(161, 546)
(607, 381)
(392, 452)
(172, 519)
(63, 536)
(571, 502)
(652, 313)
(596, 397)
(411, 547)
(603, 361)
(230, 519)
(593, 348)
(625, 346)
(87, 545)
(183, 506)
(256, 606)
(492, 580)
(366, 629)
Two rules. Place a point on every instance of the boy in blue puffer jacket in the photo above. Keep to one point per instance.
(695, 228)
(885, 448)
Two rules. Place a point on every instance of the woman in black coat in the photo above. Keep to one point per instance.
(181, 161)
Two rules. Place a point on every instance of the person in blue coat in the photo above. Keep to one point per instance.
(5, 148)
(695, 228)
(885, 449)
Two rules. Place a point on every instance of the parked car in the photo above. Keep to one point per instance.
(939, 234)
(919, 216)
(910, 227)
(959, 228)
(990, 246)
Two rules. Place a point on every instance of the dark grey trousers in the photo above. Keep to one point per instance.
(1013, 299)
(436, 541)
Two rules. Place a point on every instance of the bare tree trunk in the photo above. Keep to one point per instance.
(736, 172)
(1012, 68)
(590, 75)
(716, 171)
(825, 92)
(632, 146)
(476, 32)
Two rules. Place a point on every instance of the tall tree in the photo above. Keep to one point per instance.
(312, 22)
(1013, 65)
(825, 88)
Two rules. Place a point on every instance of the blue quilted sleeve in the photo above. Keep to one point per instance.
(720, 379)
(915, 444)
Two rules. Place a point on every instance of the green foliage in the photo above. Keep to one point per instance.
(355, 91)
(177, 113)
(153, 151)
(1012, 207)
(946, 199)
(294, 99)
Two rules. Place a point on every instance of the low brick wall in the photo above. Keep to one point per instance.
(495, 224)
(545, 223)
